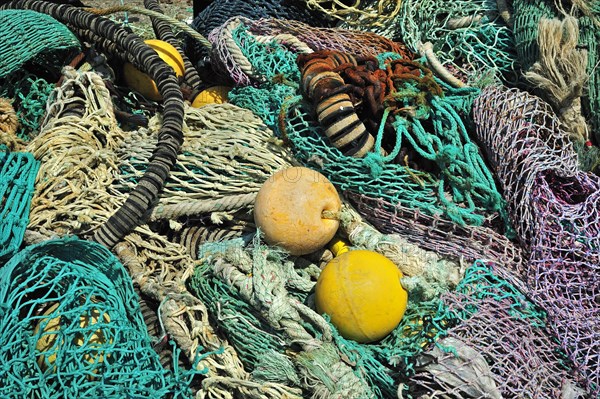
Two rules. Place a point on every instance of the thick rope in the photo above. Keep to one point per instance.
(426, 49)
(191, 208)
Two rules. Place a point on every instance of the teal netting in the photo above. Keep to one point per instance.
(462, 189)
(71, 327)
(527, 16)
(31, 36)
(17, 177)
(469, 37)
(29, 94)
(249, 329)
(589, 32)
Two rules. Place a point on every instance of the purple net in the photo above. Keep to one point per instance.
(445, 238)
(555, 210)
(499, 348)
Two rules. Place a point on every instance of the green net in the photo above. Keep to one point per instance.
(71, 326)
(17, 178)
(241, 286)
(462, 189)
(527, 16)
(29, 36)
(468, 37)
(29, 94)
(458, 186)
(589, 30)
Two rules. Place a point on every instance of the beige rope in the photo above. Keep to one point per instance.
(426, 49)
(137, 10)
(199, 207)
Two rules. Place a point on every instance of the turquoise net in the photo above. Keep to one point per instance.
(71, 326)
(461, 189)
(31, 36)
(29, 94)
(469, 37)
(17, 177)
(527, 16)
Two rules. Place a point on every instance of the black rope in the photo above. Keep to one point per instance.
(170, 136)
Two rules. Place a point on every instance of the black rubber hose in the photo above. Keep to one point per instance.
(170, 136)
(164, 32)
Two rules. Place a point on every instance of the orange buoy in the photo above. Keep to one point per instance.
(289, 210)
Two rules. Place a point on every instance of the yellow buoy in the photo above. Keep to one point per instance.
(212, 95)
(289, 210)
(360, 290)
(48, 345)
(141, 82)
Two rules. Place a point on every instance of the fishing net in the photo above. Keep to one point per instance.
(554, 206)
(375, 14)
(17, 176)
(565, 54)
(29, 94)
(29, 36)
(415, 173)
(71, 326)
(226, 156)
(219, 11)
(433, 233)
(470, 38)
(430, 162)
(497, 345)
(260, 51)
(260, 298)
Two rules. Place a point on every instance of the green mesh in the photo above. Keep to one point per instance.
(31, 36)
(463, 191)
(71, 327)
(589, 35)
(526, 16)
(381, 364)
(468, 37)
(246, 330)
(264, 101)
(29, 94)
(17, 178)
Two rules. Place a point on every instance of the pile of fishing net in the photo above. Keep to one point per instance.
(130, 261)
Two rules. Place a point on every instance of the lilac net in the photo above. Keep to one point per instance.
(500, 346)
(555, 210)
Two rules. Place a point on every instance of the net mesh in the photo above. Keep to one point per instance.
(219, 11)
(498, 345)
(469, 37)
(555, 210)
(424, 128)
(527, 16)
(71, 325)
(261, 299)
(31, 36)
(29, 94)
(371, 13)
(17, 177)
(250, 51)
